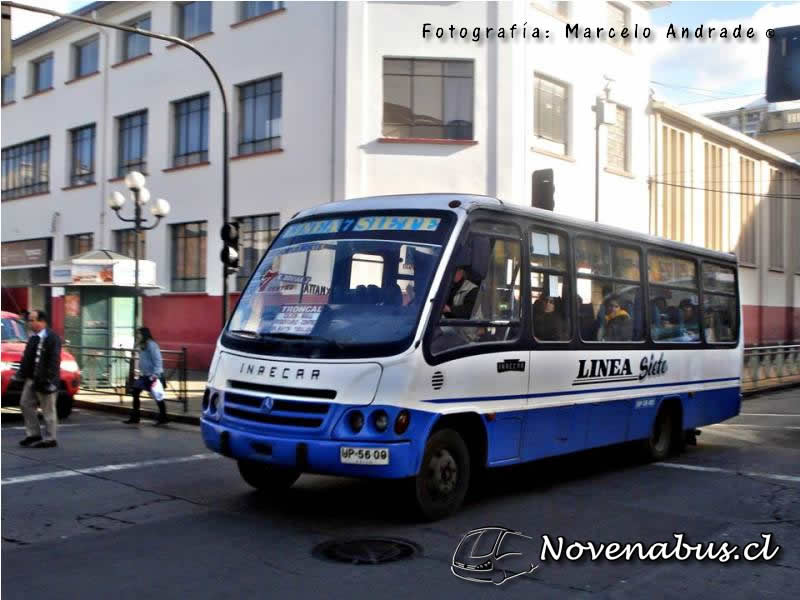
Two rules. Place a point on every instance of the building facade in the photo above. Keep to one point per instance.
(327, 101)
(716, 187)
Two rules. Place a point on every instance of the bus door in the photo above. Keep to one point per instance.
(552, 425)
(477, 336)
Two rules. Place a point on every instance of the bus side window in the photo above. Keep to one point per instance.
(486, 287)
(549, 289)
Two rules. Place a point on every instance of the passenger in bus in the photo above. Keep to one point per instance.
(462, 296)
(618, 324)
(691, 321)
(547, 322)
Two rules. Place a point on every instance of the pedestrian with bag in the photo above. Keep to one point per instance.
(40, 369)
(151, 371)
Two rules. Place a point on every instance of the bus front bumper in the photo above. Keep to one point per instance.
(309, 455)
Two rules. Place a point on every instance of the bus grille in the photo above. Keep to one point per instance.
(283, 412)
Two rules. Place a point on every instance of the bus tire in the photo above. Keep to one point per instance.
(443, 479)
(661, 441)
(265, 477)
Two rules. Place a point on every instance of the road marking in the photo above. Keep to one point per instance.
(746, 426)
(769, 415)
(105, 469)
(670, 465)
(60, 425)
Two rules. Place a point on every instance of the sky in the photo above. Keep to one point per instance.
(717, 68)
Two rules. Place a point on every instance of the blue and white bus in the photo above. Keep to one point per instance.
(425, 337)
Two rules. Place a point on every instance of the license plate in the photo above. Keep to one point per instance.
(364, 456)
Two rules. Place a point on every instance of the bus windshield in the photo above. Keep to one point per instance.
(341, 287)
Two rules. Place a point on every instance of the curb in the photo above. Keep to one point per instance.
(773, 388)
(125, 410)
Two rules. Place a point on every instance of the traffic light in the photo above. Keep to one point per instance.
(543, 189)
(230, 247)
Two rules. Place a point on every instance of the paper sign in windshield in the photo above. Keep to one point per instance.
(298, 319)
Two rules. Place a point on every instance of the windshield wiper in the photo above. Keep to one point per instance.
(304, 338)
(245, 332)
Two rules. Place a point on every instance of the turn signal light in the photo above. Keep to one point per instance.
(402, 421)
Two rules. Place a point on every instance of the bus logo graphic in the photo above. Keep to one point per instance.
(267, 403)
(487, 555)
(605, 370)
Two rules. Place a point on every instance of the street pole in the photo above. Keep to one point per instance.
(225, 114)
(136, 227)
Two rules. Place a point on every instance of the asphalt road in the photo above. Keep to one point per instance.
(146, 512)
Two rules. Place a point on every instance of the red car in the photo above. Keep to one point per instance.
(14, 338)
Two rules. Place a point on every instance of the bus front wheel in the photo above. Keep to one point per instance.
(267, 477)
(443, 478)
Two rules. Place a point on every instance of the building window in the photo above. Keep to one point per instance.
(26, 169)
(260, 115)
(133, 44)
(550, 111)
(82, 166)
(86, 57)
(618, 150)
(618, 19)
(79, 243)
(194, 18)
(9, 83)
(793, 118)
(747, 233)
(776, 212)
(255, 236)
(714, 181)
(124, 242)
(249, 10)
(191, 131)
(132, 143)
(671, 211)
(42, 74)
(189, 257)
(428, 98)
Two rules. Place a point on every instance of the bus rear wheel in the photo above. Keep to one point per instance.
(265, 477)
(443, 478)
(661, 442)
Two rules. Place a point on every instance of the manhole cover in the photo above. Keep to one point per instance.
(367, 551)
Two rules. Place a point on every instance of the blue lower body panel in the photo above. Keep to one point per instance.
(558, 430)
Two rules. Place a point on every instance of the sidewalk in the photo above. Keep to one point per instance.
(196, 385)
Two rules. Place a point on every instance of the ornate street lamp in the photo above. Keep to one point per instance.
(160, 208)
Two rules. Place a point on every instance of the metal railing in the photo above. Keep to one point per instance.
(769, 366)
(107, 371)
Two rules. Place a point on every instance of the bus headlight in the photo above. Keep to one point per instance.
(70, 366)
(381, 420)
(6, 366)
(356, 421)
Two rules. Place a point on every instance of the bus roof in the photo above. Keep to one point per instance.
(470, 202)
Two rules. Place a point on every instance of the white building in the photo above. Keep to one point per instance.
(327, 101)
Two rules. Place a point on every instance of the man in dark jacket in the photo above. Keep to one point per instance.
(40, 369)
